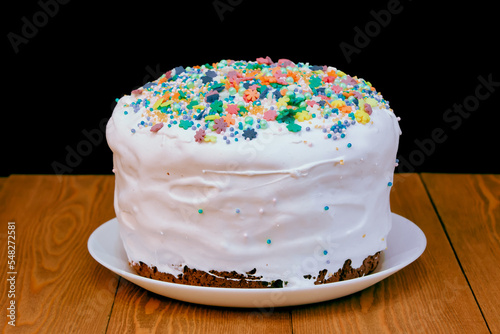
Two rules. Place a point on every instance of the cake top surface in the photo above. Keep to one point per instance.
(231, 101)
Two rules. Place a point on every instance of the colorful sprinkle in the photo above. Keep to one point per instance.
(268, 241)
(254, 96)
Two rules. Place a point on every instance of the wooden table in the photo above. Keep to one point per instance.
(59, 288)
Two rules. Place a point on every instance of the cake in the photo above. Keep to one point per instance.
(253, 174)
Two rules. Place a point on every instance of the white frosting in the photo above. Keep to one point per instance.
(280, 183)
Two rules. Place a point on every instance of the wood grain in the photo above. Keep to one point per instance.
(469, 208)
(59, 287)
(139, 311)
(430, 295)
(2, 182)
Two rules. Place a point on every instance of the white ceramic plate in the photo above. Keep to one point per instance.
(406, 242)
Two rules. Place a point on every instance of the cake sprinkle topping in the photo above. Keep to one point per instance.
(211, 98)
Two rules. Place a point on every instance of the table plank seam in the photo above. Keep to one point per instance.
(453, 248)
(112, 304)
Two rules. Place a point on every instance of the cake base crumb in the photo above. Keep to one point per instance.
(233, 279)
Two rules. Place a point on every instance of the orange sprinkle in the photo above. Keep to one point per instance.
(229, 119)
(293, 75)
(251, 95)
(332, 74)
(345, 109)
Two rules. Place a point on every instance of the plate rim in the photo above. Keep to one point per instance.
(364, 281)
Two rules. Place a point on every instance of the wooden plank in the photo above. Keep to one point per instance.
(139, 311)
(430, 295)
(59, 287)
(2, 182)
(469, 207)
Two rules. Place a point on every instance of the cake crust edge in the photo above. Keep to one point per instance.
(233, 279)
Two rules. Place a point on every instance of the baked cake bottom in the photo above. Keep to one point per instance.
(226, 279)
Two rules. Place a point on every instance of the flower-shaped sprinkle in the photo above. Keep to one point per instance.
(220, 125)
(282, 101)
(249, 133)
(251, 95)
(270, 115)
(199, 136)
(232, 109)
(229, 119)
(303, 116)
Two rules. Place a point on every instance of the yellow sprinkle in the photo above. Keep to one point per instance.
(341, 162)
(362, 116)
(212, 117)
(337, 104)
(364, 235)
(166, 104)
(199, 106)
(371, 101)
(157, 103)
(210, 138)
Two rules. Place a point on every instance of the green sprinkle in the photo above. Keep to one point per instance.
(200, 211)
(293, 127)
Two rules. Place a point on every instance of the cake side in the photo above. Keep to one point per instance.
(287, 203)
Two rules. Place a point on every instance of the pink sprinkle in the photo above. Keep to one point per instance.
(336, 89)
(156, 127)
(368, 108)
(266, 61)
(232, 109)
(137, 92)
(270, 115)
(168, 74)
(329, 79)
(285, 62)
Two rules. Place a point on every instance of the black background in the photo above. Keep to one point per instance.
(65, 76)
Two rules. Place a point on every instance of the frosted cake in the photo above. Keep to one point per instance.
(253, 174)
